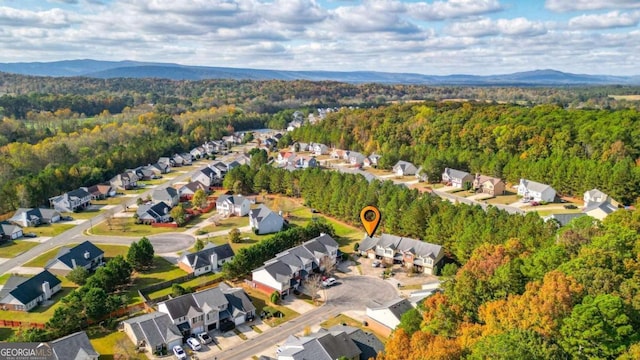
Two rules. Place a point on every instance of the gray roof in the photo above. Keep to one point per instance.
(238, 299)
(203, 257)
(456, 174)
(79, 193)
(406, 167)
(77, 253)
(154, 211)
(74, 347)
(595, 193)
(34, 213)
(261, 212)
(368, 343)
(563, 219)
(535, 186)
(208, 300)
(167, 193)
(194, 186)
(402, 244)
(605, 206)
(320, 346)
(26, 290)
(397, 306)
(233, 199)
(8, 229)
(155, 328)
(367, 175)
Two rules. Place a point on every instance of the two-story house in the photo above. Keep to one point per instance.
(187, 191)
(320, 149)
(535, 191)
(264, 221)
(404, 168)
(207, 176)
(422, 256)
(457, 178)
(237, 205)
(72, 201)
(167, 195)
(125, 181)
(288, 269)
(34, 216)
(488, 185)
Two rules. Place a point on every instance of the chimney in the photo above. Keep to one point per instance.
(46, 290)
(214, 260)
(73, 263)
(87, 255)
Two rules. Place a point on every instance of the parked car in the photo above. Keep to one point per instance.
(376, 263)
(204, 338)
(179, 352)
(30, 235)
(534, 203)
(329, 282)
(66, 218)
(194, 344)
(570, 206)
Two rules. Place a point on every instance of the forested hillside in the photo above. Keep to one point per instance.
(572, 150)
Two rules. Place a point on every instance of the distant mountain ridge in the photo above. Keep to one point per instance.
(134, 69)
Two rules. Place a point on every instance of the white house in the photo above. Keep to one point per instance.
(264, 221)
(23, 294)
(404, 168)
(34, 216)
(10, 231)
(207, 176)
(457, 178)
(600, 210)
(320, 149)
(236, 205)
(209, 259)
(388, 314)
(535, 191)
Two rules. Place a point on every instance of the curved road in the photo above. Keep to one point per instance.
(351, 293)
(76, 233)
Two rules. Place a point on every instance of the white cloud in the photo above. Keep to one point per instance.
(39, 19)
(452, 9)
(613, 19)
(581, 5)
(507, 27)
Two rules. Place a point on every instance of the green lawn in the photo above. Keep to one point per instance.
(48, 230)
(4, 278)
(194, 283)
(6, 333)
(162, 270)
(261, 300)
(116, 200)
(128, 227)
(14, 248)
(40, 314)
(227, 224)
(109, 252)
(107, 344)
(153, 182)
(507, 198)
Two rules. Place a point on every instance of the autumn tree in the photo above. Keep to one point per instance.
(179, 215)
(199, 199)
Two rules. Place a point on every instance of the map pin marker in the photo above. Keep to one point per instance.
(370, 217)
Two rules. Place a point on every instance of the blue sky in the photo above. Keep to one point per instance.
(429, 37)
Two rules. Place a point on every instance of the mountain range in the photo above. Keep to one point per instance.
(135, 69)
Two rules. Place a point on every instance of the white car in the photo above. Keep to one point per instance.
(179, 352)
(329, 282)
(376, 263)
(204, 338)
(194, 344)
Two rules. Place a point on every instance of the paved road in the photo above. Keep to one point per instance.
(351, 293)
(75, 234)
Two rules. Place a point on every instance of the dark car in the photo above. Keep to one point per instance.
(30, 235)
(570, 206)
(66, 218)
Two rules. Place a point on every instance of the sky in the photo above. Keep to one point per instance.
(438, 37)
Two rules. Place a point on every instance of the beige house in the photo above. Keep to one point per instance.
(488, 185)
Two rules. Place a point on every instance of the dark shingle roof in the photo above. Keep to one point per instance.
(203, 257)
(368, 343)
(79, 193)
(30, 289)
(74, 346)
(155, 328)
(79, 254)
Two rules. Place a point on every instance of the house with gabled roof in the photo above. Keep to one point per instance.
(286, 157)
(368, 343)
(198, 152)
(187, 191)
(100, 191)
(339, 154)
(288, 269)
(535, 191)
(222, 307)
(306, 162)
(167, 195)
(27, 217)
(159, 168)
(237, 205)
(372, 160)
(209, 259)
(84, 255)
(319, 346)
(143, 173)
(219, 168)
(125, 181)
(385, 317)
(600, 210)
(422, 256)
(488, 185)
(457, 178)
(320, 149)
(154, 213)
(356, 158)
(152, 332)
(404, 168)
(208, 176)
(166, 161)
(265, 221)
(72, 201)
(10, 231)
(75, 346)
(23, 294)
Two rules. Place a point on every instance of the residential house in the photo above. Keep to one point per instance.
(320, 149)
(422, 175)
(370, 346)
(209, 259)
(167, 195)
(237, 205)
(198, 152)
(422, 256)
(600, 210)
(457, 178)
(265, 221)
(219, 168)
(23, 294)
(306, 162)
(84, 255)
(72, 201)
(319, 346)
(153, 332)
(143, 173)
(208, 176)
(270, 143)
(221, 308)
(596, 196)
(367, 175)
(159, 168)
(187, 191)
(10, 231)
(125, 181)
(26, 217)
(286, 157)
(535, 191)
(356, 158)
(74, 347)
(372, 160)
(100, 191)
(242, 159)
(294, 125)
(288, 269)
(233, 164)
(488, 185)
(404, 168)
(562, 219)
(167, 161)
(154, 213)
(385, 317)
(183, 159)
(338, 154)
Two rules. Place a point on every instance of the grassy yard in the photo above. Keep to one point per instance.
(4, 278)
(128, 227)
(344, 319)
(193, 283)
(14, 248)
(48, 230)
(543, 212)
(6, 333)
(109, 252)
(248, 239)
(116, 200)
(162, 271)
(107, 344)
(40, 314)
(261, 300)
(84, 214)
(508, 198)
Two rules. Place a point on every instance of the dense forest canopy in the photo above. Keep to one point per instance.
(573, 150)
